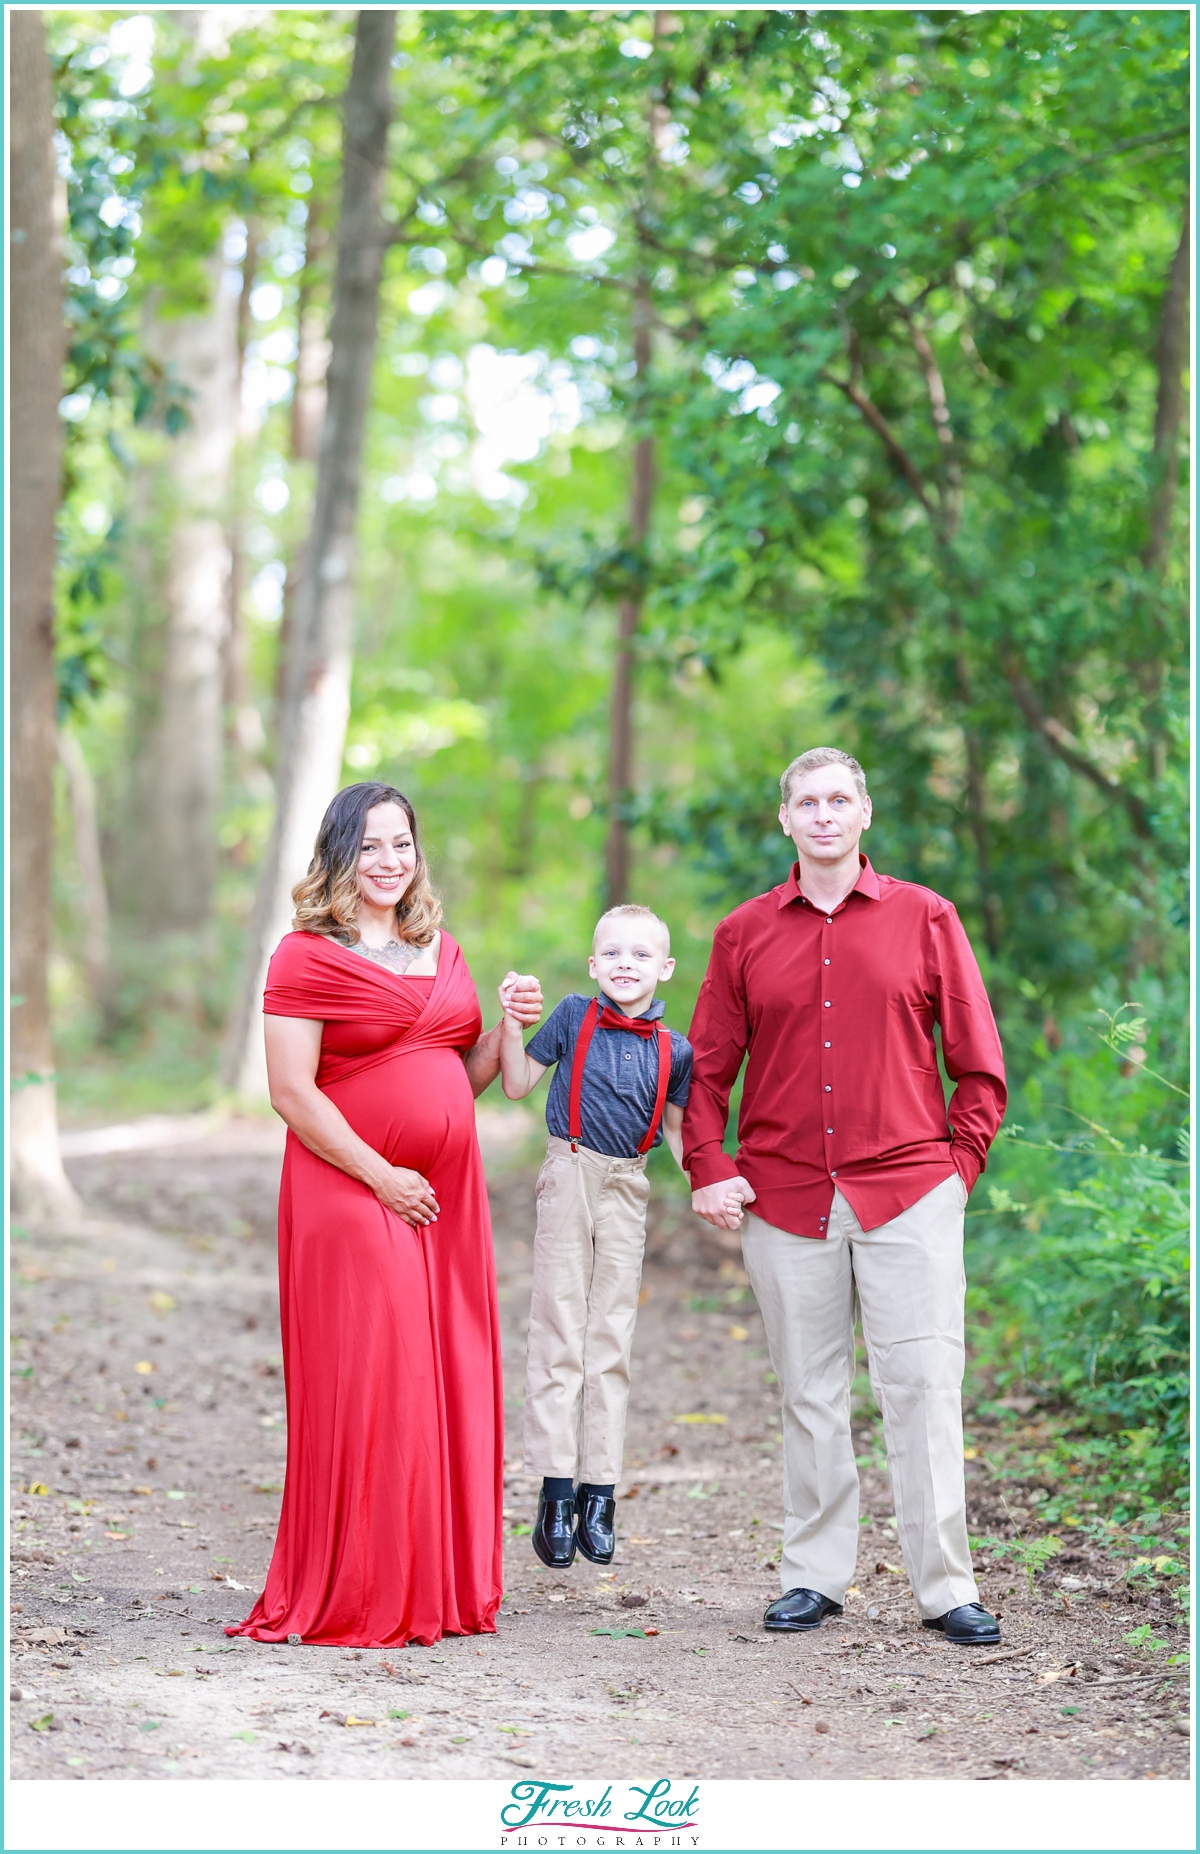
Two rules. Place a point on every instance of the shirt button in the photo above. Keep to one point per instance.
(833, 1174)
(829, 1045)
(828, 1002)
(829, 920)
(829, 1129)
(826, 962)
(829, 1087)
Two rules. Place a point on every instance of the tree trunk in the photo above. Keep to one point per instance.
(316, 692)
(620, 737)
(1171, 358)
(81, 789)
(308, 404)
(179, 738)
(243, 722)
(37, 339)
(312, 348)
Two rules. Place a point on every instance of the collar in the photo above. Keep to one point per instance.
(654, 1011)
(867, 884)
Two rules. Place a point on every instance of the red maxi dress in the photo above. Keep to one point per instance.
(391, 1529)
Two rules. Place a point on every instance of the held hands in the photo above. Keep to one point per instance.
(721, 1204)
(521, 998)
(407, 1194)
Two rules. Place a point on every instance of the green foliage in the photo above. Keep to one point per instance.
(1032, 1555)
(1144, 1638)
(936, 502)
(1080, 1263)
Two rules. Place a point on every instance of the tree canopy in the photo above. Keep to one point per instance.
(911, 289)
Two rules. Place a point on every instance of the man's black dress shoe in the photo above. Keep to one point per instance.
(554, 1532)
(800, 1609)
(971, 1624)
(595, 1533)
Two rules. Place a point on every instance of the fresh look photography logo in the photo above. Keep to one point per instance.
(662, 1814)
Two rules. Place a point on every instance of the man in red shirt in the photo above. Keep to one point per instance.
(859, 1174)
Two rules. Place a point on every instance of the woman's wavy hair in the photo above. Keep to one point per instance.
(327, 899)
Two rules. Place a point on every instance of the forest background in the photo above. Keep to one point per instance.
(630, 401)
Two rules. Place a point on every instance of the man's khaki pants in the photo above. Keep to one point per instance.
(908, 1275)
(587, 1270)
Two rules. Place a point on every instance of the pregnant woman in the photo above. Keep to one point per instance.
(390, 1530)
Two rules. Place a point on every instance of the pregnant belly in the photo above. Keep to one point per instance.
(417, 1110)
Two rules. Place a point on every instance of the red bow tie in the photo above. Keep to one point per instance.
(611, 1019)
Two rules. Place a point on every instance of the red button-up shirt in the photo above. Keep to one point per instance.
(842, 1087)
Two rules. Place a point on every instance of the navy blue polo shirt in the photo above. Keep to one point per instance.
(620, 1078)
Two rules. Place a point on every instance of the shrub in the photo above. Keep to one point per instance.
(1080, 1266)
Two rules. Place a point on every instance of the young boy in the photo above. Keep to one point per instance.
(620, 1087)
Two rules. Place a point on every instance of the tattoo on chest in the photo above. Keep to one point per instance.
(396, 956)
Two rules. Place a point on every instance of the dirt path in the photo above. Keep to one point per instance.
(148, 1452)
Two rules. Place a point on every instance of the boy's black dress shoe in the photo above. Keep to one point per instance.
(800, 1609)
(596, 1531)
(971, 1624)
(554, 1532)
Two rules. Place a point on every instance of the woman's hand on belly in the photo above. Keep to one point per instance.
(293, 1052)
(410, 1196)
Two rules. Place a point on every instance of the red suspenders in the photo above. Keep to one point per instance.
(574, 1118)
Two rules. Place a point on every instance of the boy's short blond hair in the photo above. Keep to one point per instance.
(627, 910)
(822, 756)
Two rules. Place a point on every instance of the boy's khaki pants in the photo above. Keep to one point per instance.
(908, 1275)
(587, 1270)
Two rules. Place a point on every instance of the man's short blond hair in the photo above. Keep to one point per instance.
(628, 910)
(822, 756)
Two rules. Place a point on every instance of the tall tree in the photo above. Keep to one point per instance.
(1170, 356)
(177, 755)
(37, 343)
(936, 302)
(641, 498)
(81, 792)
(312, 344)
(629, 615)
(316, 690)
(629, 151)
